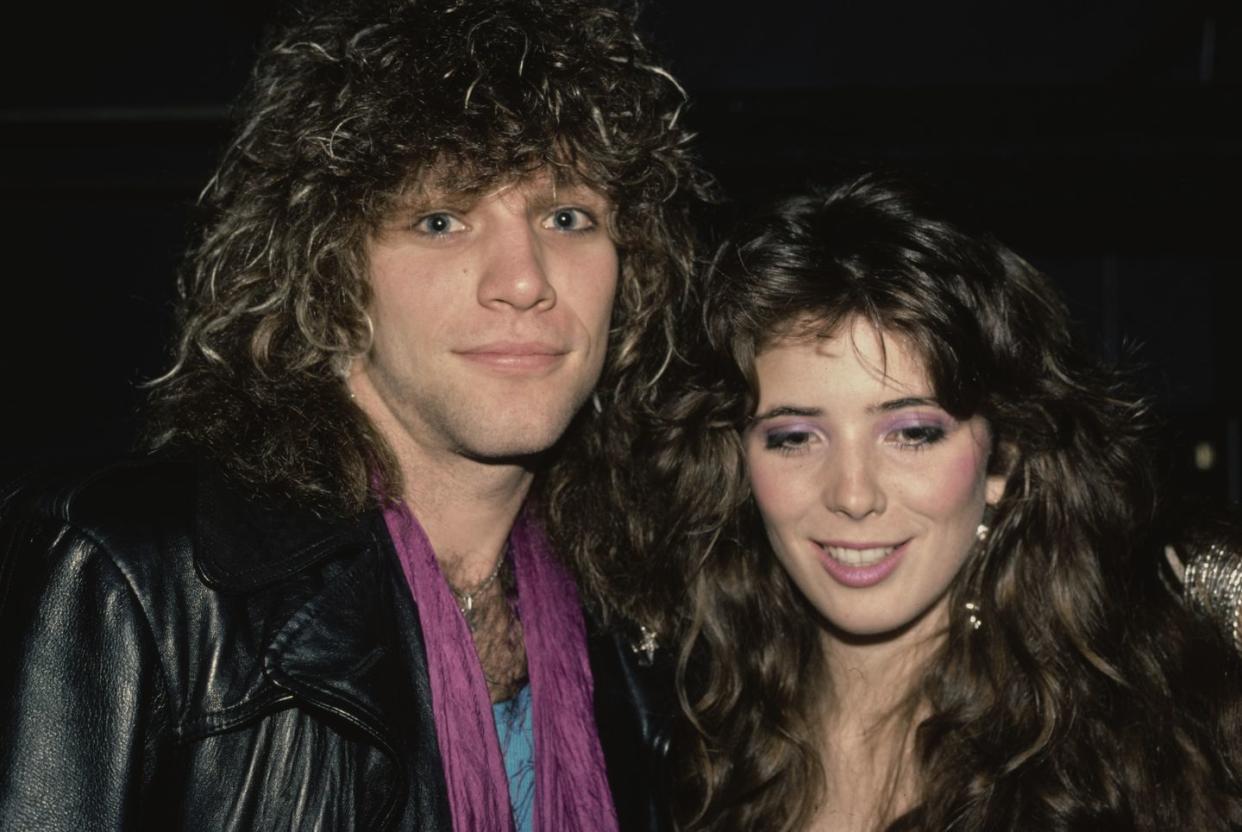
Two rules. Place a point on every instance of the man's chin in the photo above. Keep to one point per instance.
(526, 448)
(515, 431)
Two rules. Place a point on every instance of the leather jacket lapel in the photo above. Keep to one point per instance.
(355, 650)
(342, 633)
(335, 652)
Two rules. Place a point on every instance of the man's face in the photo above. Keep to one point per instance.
(491, 317)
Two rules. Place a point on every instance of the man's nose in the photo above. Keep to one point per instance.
(514, 271)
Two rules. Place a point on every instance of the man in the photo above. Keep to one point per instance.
(326, 600)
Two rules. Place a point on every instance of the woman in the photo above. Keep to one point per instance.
(927, 596)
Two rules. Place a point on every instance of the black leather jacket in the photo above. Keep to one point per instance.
(173, 656)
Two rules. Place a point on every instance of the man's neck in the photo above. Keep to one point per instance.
(466, 506)
(467, 509)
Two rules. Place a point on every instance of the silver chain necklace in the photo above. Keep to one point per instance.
(465, 600)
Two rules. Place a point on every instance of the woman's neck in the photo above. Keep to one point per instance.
(868, 723)
(871, 675)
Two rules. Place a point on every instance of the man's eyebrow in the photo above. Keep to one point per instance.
(427, 201)
(902, 403)
(787, 410)
(573, 192)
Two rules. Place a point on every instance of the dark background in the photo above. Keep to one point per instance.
(1102, 140)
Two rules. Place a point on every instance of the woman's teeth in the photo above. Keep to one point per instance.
(859, 557)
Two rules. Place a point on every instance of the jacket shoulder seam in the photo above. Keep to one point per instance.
(68, 527)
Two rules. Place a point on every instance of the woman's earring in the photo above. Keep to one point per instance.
(985, 523)
(974, 610)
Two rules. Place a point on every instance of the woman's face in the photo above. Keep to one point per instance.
(870, 492)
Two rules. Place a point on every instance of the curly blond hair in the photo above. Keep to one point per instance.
(352, 103)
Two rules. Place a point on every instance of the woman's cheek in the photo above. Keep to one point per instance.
(764, 482)
(779, 491)
(957, 482)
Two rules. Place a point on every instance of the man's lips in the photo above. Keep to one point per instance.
(515, 355)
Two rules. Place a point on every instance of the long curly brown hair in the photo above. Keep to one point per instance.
(350, 105)
(1089, 699)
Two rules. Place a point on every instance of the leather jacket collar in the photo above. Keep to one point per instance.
(334, 647)
(244, 542)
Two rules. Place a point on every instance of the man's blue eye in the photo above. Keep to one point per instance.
(436, 224)
(570, 219)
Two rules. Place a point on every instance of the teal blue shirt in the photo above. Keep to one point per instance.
(516, 730)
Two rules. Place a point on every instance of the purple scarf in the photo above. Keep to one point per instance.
(571, 788)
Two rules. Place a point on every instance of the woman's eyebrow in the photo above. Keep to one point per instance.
(787, 410)
(900, 404)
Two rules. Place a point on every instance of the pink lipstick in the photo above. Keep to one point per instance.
(860, 575)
